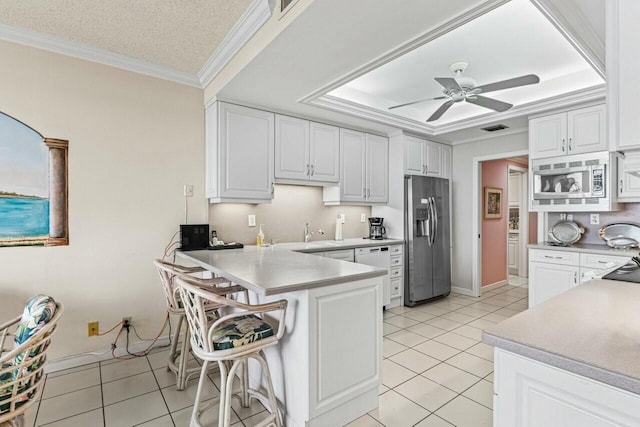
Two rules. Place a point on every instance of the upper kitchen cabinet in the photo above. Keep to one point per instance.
(629, 178)
(423, 157)
(239, 154)
(306, 151)
(364, 170)
(571, 132)
(623, 73)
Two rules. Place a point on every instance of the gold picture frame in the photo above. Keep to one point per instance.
(492, 203)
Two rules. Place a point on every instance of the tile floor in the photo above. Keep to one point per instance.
(436, 373)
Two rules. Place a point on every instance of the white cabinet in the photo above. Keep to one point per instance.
(623, 73)
(529, 393)
(364, 170)
(572, 132)
(342, 254)
(514, 189)
(306, 151)
(396, 276)
(239, 154)
(423, 157)
(628, 185)
(513, 253)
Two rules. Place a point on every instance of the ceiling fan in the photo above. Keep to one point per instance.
(459, 88)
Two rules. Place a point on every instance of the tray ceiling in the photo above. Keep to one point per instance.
(179, 35)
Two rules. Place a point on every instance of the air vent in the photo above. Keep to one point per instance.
(495, 128)
(285, 4)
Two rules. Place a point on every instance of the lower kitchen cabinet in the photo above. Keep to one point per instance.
(513, 254)
(549, 280)
(529, 393)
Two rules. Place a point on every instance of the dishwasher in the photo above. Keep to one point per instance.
(377, 256)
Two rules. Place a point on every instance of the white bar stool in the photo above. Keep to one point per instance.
(231, 340)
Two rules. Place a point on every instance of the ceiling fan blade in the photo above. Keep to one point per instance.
(492, 104)
(529, 79)
(449, 83)
(416, 102)
(440, 111)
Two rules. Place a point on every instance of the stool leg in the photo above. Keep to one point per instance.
(174, 343)
(229, 392)
(195, 415)
(269, 385)
(222, 366)
(184, 355)
(245, 383)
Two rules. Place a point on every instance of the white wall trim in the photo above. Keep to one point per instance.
(258, 12)
(463, 291)
(99, 356)
(491, 135)
(613, 76)
(476, 256)
(495, 285)
(85, 52)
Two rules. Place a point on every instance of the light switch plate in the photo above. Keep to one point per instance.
(342, 218)
(570, 217)
(595, 219)
(252, 220)
(363, 218)
(188, 190)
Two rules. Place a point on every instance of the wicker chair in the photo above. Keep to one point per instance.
(231, 340)
(168, 272)
(22, 365)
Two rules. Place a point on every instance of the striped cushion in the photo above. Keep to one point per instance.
(239, 331)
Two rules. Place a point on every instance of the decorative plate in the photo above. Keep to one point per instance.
(621, 235)
(567, 232)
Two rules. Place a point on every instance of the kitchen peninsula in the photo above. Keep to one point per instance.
(327, 368)
(571, 360)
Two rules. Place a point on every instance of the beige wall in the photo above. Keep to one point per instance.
(134, 141)
(285, 216)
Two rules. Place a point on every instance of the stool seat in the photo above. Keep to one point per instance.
(238, 331)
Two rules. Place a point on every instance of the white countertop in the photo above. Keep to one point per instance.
(592, 330)
(283, 268)
(587, 248)
(334, 245)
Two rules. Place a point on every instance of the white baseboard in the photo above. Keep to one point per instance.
(494, 285)
(463, 291)
(99, 356)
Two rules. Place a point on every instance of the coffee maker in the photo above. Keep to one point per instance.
(376, 230)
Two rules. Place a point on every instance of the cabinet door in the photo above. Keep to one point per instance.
(512, 255)
(352, 165)
(514, 189)
(377, 169)
(292, 148)
(324, 146)
(413, 157)
(586, 130)
(628, 185)
(547, 136)
(549, 280)
(445, 151)
(433, 158)
(246, 138)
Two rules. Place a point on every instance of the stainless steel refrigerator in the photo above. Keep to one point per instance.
(428, 237)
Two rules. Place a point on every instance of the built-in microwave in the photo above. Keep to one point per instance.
(580, 182)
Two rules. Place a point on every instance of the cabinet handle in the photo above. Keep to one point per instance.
(570, 144)
(553, 257)
(621, 187)
(312, 171)
(364, 193)
(563, 141)
(368, 193)
(272, 188)
(575, 277)
(308, 169)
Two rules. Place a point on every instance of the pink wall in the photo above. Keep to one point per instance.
(495, 174)
(533, 227)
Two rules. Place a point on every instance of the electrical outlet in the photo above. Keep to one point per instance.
(342, 218)
(188, 190)
(595, 219)
(252, 220)
(570, 217)
(92, 329)
(363, 217)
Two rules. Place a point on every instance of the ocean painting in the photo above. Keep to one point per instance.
(24, 184)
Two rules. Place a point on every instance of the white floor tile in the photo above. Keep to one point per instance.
(456, 341)
(125, 368)
(426, 393)
(473, 364)
(401, 309)
(255, 419)
(126, 388)
(437, 350)
(419, 316)
(481, 392)
(459, 317)
(442, 323)
(364, 421)
(383, 389)
(135, 411)
(407, 338)
(165, 378)
(390, 347)
(482, 350)
(67, 405)
(494, 317)
(55, 386)
(469, 332)
(394, 374)
(414, 360)
(91, 418)
(243, 413)
(164, 421)
(463, 412)
(507, 312)
(388, 328)
(398, 411)
(177, 400)
(430, 309)
(401, 321)
(72, 370)
(433, 421)
(451, 377)
(489, 377)
(426, 331)
(482, 324)
(209, 417)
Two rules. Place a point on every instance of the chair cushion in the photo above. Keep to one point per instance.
(37, 313)
(6, 388)
(239, 331)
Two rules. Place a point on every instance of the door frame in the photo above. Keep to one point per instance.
(476, 256)
(523, 235)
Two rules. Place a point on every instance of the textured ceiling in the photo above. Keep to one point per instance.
(178, 34)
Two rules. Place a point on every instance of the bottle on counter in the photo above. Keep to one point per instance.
(338, 228)
(260, 237)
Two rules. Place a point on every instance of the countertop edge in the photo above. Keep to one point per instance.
(322, 283)
(339, 247)
(604, 376)
(592, 249)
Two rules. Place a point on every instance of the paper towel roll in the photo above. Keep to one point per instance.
(338, 229)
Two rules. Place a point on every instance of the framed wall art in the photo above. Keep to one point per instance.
(492, 203)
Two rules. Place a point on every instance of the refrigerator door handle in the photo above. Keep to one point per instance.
(434, 235)
(429, 222)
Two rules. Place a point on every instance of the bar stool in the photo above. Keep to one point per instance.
(178, 357)
(231, 340)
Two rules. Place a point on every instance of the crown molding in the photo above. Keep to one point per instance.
(258, 12)
(82, 51)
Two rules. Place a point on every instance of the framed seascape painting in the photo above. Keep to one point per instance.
(492, 203)
(33, 187)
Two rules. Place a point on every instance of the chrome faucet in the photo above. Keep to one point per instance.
(308, 234)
